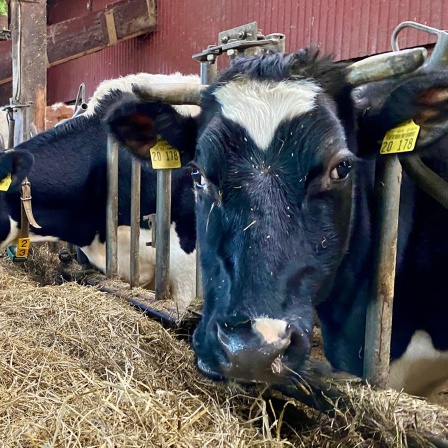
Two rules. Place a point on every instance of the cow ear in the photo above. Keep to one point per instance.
(421, 97)
(14, 167)
(139, 126)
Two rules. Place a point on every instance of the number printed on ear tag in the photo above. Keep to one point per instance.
(5, 183)
(23, 246)
(402, 138)
(164, 156)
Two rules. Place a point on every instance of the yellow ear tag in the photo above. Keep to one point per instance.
(5, 183)
(164, 156)
(403, 138)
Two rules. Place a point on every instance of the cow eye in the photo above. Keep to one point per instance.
(341, 170)
(198, 179)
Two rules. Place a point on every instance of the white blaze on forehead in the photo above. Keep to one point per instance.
(260, 106)
(271, 330)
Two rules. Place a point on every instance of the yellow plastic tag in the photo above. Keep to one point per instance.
(403, 138)
(164, 156)
(23, 246)
(5, 183)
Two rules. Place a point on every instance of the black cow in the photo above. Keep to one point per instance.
(69, 189)
(283, 168)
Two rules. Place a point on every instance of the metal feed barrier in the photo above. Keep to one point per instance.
(247, 40)
(243, 40)
(387, 185)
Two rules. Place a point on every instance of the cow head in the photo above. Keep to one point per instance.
(274, 174)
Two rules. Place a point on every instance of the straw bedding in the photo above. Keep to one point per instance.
(80, 368)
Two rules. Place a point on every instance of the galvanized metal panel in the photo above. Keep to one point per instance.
(348, 29)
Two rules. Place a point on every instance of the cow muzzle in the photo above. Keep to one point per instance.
(262, 350)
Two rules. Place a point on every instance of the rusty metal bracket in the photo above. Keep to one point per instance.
(245, 39)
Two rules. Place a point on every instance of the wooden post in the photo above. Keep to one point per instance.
(29, 64)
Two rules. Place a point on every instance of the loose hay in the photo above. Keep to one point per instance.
(80, 368)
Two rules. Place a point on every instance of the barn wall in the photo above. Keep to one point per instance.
(347, 28)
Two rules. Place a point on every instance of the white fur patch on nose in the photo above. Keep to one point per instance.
(271, 330)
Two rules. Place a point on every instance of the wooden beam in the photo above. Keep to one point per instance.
(91, 32)
(29, 68)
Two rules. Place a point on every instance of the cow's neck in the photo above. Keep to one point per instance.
(342, 315)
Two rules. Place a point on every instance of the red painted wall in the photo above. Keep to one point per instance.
(348, 29)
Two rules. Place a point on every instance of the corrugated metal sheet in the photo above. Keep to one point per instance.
(348, 29)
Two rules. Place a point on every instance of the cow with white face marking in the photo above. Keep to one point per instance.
(69, 189)
(283, 167)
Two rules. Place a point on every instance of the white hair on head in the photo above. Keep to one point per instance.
(260, 106)
(125, 83)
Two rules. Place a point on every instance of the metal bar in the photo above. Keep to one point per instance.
(175, 93)
(135, 222)
(379, 311)
(386, 65)
(439, 56)
(163, 227)
(208, 72)
(410, 24)
(11, 129)
(112, 208)
(430, 182)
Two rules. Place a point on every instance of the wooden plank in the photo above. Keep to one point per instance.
(29, 67)
(5, 62)
(79, 36)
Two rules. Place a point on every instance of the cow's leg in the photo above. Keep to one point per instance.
(422, 369)
(182, 273)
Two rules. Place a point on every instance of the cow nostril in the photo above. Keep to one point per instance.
(263, 349)
(252, 352)
(234, 338)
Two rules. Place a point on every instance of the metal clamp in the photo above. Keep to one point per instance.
(241, 40)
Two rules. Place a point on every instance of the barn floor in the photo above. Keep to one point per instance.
(81, 368)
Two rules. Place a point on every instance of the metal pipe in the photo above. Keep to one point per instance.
(80, 110)
(175, 93)
(379, 311)
(135, 222)
(11, 129)
(208, 73)
(430, 182)
(439, 56)
(163, 227)
(386, 65)
(112, 208)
